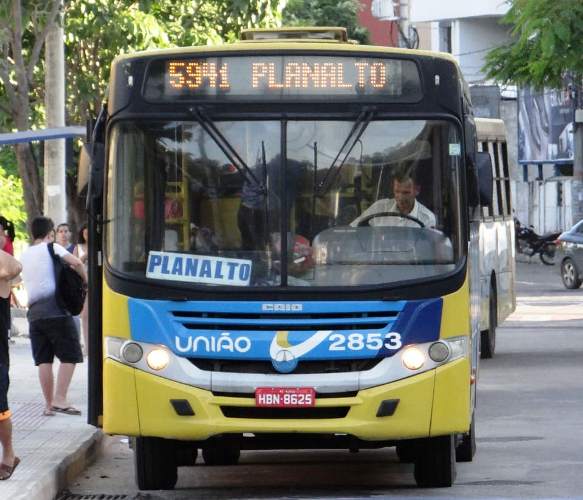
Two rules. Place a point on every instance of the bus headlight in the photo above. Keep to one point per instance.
(413, 358)
(132, 352)
(158, 359)
(438, 351)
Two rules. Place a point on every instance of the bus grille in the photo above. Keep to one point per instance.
(374, 320)
(265, 367)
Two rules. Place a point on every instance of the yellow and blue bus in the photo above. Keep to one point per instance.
(284, 254)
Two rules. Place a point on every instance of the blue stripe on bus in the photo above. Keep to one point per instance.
(241, 329)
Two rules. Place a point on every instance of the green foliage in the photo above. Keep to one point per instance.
(99, 30)
(11, 197)
(547, 44)
(342, 13)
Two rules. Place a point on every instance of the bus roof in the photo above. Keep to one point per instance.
(490, 128)
(290, 44)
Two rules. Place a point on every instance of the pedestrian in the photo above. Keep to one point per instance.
(51, 328)
(63, 237)
(7, 235)
(9, 269)
(81, 252)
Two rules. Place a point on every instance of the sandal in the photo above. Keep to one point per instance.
(67, 410)
(7, 470)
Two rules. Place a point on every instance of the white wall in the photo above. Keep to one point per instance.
(432, 10)
(471, 41)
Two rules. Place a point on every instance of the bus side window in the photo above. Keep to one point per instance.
(482, 156)
(500, 208)
(506, 175)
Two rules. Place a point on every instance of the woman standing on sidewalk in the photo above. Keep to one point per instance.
(51, 328)
(9, 269)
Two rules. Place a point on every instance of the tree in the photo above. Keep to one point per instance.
(326, 13)
(546, 50)
(23, 28)
(11, 197)
(100, 30)
(547, 44)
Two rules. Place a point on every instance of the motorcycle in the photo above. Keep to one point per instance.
(530, 243)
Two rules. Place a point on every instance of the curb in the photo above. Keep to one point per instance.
(49, 485)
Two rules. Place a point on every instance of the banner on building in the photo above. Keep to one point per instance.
(545, 126)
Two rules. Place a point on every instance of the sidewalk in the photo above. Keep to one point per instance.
(52, 450)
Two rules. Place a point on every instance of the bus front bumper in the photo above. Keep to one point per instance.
(432, 403)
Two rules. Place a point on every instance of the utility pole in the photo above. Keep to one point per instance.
(404, 31)
(55, 196)
(577, 189)
(578, 133)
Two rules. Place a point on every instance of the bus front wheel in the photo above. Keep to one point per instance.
(435, 463)
(155, 463)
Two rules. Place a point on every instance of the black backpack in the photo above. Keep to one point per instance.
(70, 291)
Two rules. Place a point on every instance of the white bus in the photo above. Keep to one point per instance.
(496, 237)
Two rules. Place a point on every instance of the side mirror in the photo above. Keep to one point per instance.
(485, 178)
(84, 169)
(91, 161)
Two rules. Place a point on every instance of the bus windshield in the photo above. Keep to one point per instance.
(206, 206)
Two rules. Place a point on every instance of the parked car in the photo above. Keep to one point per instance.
(569, 256)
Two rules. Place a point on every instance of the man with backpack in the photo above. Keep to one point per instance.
(51, 327)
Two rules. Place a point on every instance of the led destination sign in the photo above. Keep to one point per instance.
(282, 77)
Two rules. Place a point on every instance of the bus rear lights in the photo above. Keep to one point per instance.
(132, 352)
(438, 351)
(413, 358)
(158, 359)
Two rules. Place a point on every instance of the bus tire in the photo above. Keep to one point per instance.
(488, 337)
(435, 463)
(407, 452)
(466, 449)
(221, 454)
(154, 463)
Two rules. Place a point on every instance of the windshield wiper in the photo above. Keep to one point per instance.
(358, 128)
(230, 152)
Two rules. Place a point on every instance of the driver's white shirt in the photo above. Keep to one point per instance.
(419, 211)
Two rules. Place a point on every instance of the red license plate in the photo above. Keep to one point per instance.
(285, 397)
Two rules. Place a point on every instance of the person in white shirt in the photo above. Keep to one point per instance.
(51, 328)
(405, 191)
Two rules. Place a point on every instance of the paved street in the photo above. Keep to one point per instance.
(529, 427)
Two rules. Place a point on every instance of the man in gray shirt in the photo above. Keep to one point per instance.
(51, 328)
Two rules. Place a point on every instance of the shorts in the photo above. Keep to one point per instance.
(4, 384)
(52, 337)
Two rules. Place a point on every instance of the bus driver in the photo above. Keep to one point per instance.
(405, 191)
